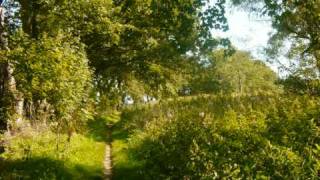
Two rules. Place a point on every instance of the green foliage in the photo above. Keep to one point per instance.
(297, 25)
(223, 137)
(140, 41)
(52, 68)
(242, 75)
(238, 74)
(301, 85)
(74, 57)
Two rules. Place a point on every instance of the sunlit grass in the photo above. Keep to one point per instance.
(124, 166)
(44, 155)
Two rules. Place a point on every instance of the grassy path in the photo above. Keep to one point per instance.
(107, 163)
(124, 167)
(100, 152)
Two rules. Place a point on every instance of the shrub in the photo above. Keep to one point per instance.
(218, 138)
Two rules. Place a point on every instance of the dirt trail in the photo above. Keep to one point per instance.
(108, 157)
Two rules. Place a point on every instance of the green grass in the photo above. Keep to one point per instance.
(125, 167)
(35, 155)
(80, 159)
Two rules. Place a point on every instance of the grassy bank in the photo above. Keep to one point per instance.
(45, 155)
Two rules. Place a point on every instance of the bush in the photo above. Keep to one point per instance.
(219, 138)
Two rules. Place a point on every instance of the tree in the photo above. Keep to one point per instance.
(244, 75)
(300, 85)
(11, 100)
(143, 41)
(238, 74)
(52, 69)
(297, 22)
(132, 46)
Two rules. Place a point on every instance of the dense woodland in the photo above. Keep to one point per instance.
(151, 79)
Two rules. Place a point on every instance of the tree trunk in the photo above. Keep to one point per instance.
(10, 89)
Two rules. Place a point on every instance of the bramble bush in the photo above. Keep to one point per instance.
(222, 137)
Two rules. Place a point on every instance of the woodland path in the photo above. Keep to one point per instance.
(107, 163)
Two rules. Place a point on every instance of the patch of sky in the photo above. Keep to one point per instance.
(250, 32)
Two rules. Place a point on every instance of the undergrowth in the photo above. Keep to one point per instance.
(222, 138)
